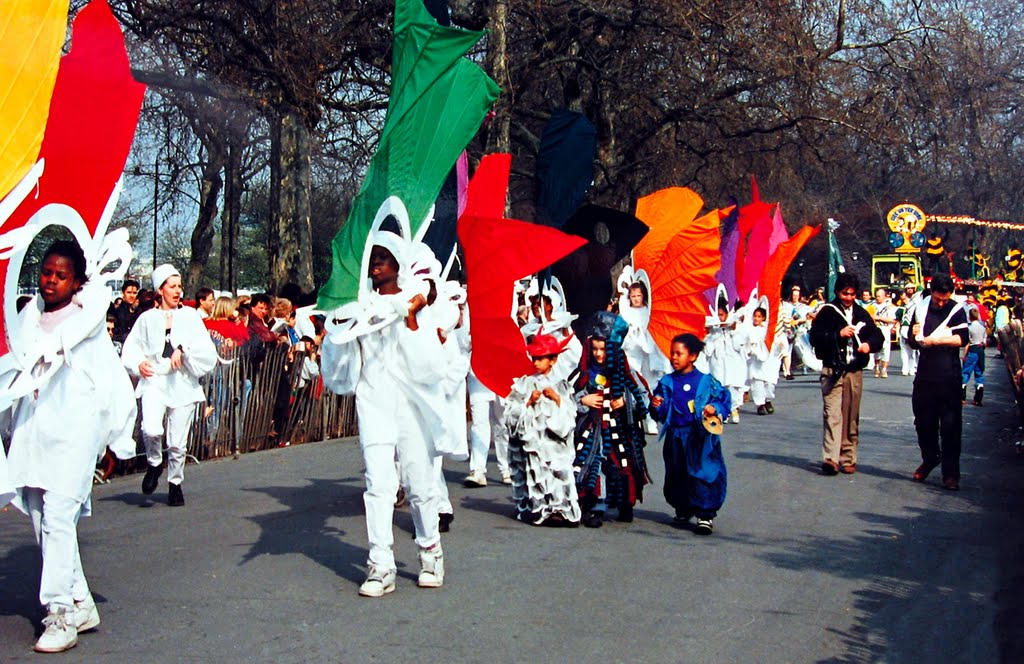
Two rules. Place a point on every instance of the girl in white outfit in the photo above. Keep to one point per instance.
(726, 349)
(170, 350)
(764, 364)
(645, 359)
(70, 369)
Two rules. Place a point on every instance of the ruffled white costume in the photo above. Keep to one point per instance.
(541, 451)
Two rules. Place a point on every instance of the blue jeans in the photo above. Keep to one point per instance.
(974, 362)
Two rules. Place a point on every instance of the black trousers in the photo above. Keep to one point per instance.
(938, 412)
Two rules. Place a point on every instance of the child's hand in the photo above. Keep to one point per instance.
(595, 400)
(618, 403)
(656, 402)
(417, 303)
(709, 410)
(551, 394)
(534, 398)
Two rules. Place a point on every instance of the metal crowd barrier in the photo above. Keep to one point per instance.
(253, 404)
(256, 404)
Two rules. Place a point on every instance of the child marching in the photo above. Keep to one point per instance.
(695, 475)
(540, 416)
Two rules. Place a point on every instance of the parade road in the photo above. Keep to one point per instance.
(263, 562)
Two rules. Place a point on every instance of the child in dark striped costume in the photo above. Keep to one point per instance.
(610, 467)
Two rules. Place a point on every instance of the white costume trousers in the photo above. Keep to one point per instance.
(761, 391)
(444, 502)
(488, 422)
(736, 395)
(179, 422)
(418, 476)
(886, 352)
(908, 358)
(55, 520)
(784, 347)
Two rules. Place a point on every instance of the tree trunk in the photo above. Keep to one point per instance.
(291, 236)
(229, 217)
(202, 234)
(498, 136)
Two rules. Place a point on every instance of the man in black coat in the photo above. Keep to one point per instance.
(843, 336)
(939, 331)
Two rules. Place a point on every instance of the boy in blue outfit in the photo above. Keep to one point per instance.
(695, 477)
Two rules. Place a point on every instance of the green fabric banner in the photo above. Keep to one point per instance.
(835, 259)
(438, 100)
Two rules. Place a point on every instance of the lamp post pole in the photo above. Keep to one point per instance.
(156, 202)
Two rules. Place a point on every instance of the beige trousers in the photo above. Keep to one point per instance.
(841, 415)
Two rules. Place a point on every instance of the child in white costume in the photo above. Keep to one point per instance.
(170, 349)
(764, 364)
(541, 416)
(550, 316)
(726, 349)
(393, 365)
(443, 315)
(642, 353)
(70, 368)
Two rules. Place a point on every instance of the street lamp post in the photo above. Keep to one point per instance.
(156, 202)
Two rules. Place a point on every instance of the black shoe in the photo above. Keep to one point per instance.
(761, 410)
(151, 479)
(626, 514)
(963, 394)
(789, 377)
(593, 519)
(175, 498)
(444, 522)
(769, 407)
(979, 394)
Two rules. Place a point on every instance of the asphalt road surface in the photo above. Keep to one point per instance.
(263, 563)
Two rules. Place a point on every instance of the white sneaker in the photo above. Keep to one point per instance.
(431, 568)
(506, 478)
(86, 616)
(475, 478)
(704, 527)
(60, 634)
(736, 416)
(379, 582)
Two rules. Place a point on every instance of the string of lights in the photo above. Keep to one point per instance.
(971, 221)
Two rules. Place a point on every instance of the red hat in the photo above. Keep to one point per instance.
(544, 345)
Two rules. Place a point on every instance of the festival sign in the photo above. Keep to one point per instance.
(906, 225)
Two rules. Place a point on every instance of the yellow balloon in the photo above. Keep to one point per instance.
(31, 35)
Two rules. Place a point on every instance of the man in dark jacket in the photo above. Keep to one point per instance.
(128, 311)
(939, 332)
(843, 336)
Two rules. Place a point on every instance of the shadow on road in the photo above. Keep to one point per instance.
(19, 578)
(302, 526)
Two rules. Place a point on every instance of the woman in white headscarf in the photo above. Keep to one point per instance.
(170, 349)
